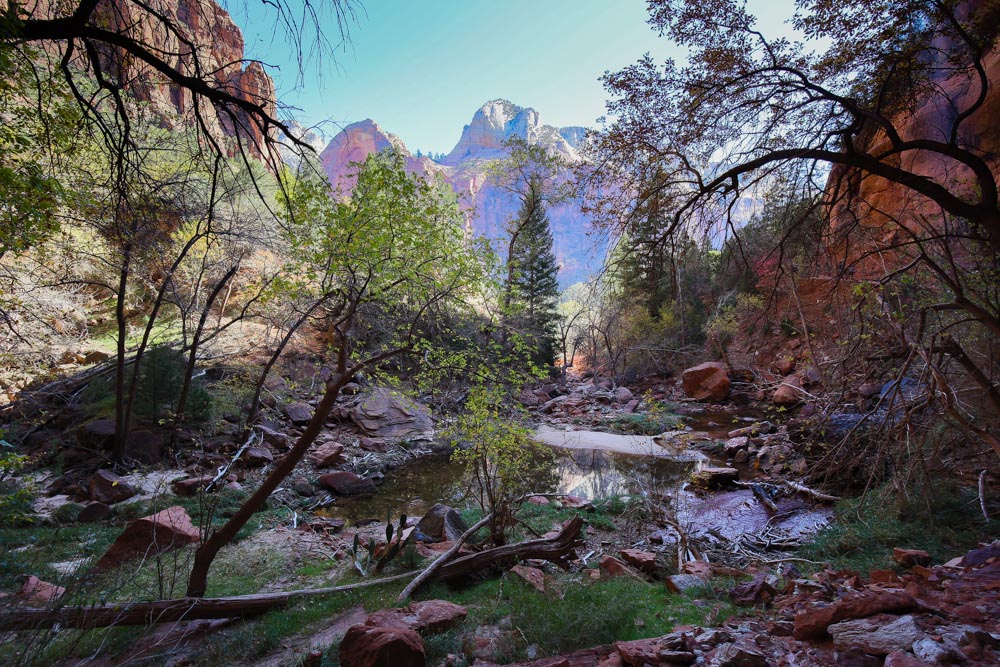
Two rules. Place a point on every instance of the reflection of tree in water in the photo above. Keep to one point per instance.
(593, 473)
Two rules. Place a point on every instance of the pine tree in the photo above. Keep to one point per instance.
(532, 286)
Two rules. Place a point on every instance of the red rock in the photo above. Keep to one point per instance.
(151, 535)
(707, 382)
(442, 523)
(577, 503)
(714, 478)
(911, 557)
(106, 487)
(94, 512)
(699, 568)
(345, 483)
(388, 414)
(373, 445)
(328, 454)
(788, 392)
(753, 593)
(39, 592)
(374, 646)
(259, 456)
(612, 568)
(903, 659)
(883, 577)
(299, 413)
(678, 583)
(785, 365)
(430, 617)
(731, 655)
(643, 560)
(814, 622)
(532, 575)
(538, 500)
(981, 555)
(191, 486)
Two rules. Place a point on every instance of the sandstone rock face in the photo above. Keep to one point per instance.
(371, 646)
(151, 535)
(207, 29)
(388, 414)
(464, 169)
(707, 382)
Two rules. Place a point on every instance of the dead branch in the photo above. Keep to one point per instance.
(441, 560)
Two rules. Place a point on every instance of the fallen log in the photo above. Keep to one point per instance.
(166, 611)
(554, 549)
(245, 606)
(812, 493)
(419, 580)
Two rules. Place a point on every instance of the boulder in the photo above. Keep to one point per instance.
(388, 414)
(191, 486)
(641, 560)
(788, 392)
(146, 446)
(754, 593)
(38, 592)
(612, 568)
(678, 583)
(106, 487)
(814, 622)
(375, 646)
(427, 617)
(707, 382)
(96, 434)
(731, 655)
(345, 483)
(94, 512)
(714, 478)
(442, 523)
(879, 635)
(151, 535)
(532, 575)
(259, 456)
(329, 454)
(911, 557)
(299, 413)
(373, 445)
(784, 365)
(272, 437)
(623, 395)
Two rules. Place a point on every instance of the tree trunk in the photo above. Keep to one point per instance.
(205, 554)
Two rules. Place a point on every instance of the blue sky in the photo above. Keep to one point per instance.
(421, 69)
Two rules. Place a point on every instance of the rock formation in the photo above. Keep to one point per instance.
(197, 38)
(464, 168)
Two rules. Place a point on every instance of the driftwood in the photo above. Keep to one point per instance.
(554, 549)
(812, 493)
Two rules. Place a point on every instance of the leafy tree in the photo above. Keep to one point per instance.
(386, 258)
(534, 286)
(889, 101)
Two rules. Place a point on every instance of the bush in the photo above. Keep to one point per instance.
(15, 498)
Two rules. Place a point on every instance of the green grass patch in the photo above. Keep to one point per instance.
(945, 521)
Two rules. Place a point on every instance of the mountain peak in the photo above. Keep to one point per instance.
(496, 122)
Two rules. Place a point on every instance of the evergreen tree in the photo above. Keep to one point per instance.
(532, 284)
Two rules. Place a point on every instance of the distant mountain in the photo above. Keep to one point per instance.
(464, 168)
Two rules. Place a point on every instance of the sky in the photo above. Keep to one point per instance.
(420, 69)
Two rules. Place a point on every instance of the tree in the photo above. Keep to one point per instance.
(891, 103)
(533, 286)
(385, 260)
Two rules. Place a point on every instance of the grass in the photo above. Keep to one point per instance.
(945, 522)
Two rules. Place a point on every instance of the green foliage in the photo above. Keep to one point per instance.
(389, 553)
(532, 283)
(15, 496)
(733, 318)
(655, 418)
(503, 462)
(943, 520)
(160, 383)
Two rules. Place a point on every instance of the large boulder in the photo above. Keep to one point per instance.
(345, 483)
(375, 646)
(707, 382)
(442, 523)
(788, 392)
(151, 535)
(299, 413)
(388, 414)
(328, 454)
(427, 617)
(106, 487)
